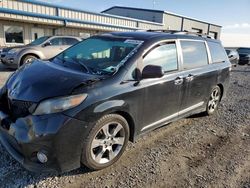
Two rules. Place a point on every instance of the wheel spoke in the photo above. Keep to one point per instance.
(97, 143)
(210, 103)
(213, 105)
(217, 98)
(119, 140)
(117, 129)
(105, 130)
(99, 156)
(111, 154)
(216, 93)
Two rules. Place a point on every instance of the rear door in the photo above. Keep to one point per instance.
(198, 75)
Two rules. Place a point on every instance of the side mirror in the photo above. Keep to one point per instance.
(152, 71)
(47, 44)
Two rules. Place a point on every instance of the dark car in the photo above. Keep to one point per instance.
(84, 105)
(233, 56)
(244, 56)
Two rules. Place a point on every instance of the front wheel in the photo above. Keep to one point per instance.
(27, 59)
(106, 142)
(214, 100)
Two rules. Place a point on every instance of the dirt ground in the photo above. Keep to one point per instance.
(201, 151)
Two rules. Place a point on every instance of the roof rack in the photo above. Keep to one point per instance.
(180, 32)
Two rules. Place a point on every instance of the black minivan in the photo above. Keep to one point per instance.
(84, 105)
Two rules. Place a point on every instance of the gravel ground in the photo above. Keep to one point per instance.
(194, 152)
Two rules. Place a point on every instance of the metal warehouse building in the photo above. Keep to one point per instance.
(22, 21)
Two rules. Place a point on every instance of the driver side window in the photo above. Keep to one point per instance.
(164, 55)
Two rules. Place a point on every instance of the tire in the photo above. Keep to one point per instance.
(106, 142)
(27, 59)
(214, 100)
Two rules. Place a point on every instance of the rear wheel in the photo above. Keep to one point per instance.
(106, 142)
(214, 100)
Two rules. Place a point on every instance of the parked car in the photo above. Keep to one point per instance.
(233, 56)
(43, 48)
(244, 56)
(84, 105)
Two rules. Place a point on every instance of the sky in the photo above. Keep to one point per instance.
(233, 15)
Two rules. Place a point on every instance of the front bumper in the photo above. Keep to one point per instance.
(58, 135)
(10, 60)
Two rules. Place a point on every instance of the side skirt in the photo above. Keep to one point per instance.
(183, 113)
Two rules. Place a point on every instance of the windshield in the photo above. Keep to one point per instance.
(39, 41)
(244, 50)
(101, 55)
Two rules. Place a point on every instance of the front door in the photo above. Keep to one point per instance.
(162, 96)
(56, 46)
(37, 33)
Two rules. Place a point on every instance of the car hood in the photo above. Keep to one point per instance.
(41, 80)
(14, 47)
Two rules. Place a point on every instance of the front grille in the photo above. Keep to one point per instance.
(15, 108)
(19, 108)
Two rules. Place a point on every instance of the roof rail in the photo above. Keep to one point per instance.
(180, 32)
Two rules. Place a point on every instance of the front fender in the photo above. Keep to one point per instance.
(94, 112)
(29, 51)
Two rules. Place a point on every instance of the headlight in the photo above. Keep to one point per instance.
(56, 105)
(13, 51)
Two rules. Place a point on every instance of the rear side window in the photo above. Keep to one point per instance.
(217, 52)
(194, 54)
(164, 55)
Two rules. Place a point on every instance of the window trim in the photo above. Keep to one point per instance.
(163, 42)
(13, 43)
(181, 53)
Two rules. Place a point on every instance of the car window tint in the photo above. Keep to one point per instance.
(164, 56)
(194, 54)
(57, 41)
(217, 52)
(70, 41)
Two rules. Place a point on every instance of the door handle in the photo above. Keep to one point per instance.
(178, 81)
(190, 78)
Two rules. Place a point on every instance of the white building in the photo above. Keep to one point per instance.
(22, 21)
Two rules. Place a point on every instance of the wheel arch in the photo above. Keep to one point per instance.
(131, 123)
(222, 89)
(121, 108)
(27, 54)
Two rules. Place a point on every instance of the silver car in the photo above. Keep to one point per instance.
(42, 48)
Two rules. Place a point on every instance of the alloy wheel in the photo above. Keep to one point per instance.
(107, 143)
(214, 99)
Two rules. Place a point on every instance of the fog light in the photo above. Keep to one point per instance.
(42, 157)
